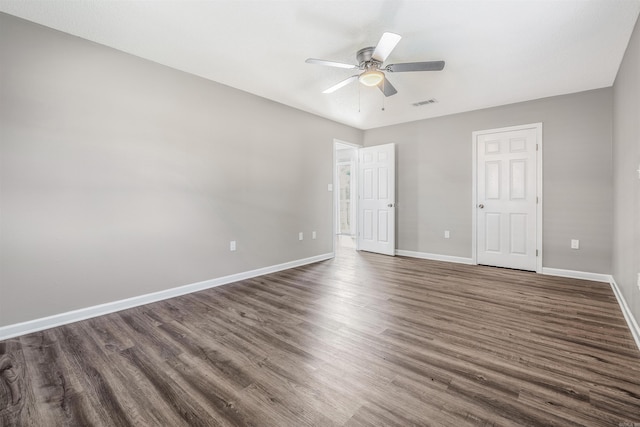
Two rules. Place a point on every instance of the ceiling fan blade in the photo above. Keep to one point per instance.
(341, 84)
(415, 66)
(331, 63)
(387, 88)
(387, 43)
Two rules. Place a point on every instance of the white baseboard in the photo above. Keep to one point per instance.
(573, 274)
(626, 312)
(434, 257)
(36, 325)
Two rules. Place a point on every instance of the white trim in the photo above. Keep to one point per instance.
(434, 257)
(539, 192)
(626, 312)
(540, 200)
(36, 325)
(573, 274)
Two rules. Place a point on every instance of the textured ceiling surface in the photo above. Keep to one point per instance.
(496, 51)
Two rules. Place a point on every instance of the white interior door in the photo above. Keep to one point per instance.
(506, 209)
(376, 192)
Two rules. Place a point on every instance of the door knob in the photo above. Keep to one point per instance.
(390, 205)
(481, 206)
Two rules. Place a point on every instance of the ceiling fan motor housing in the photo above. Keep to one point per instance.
(364, 58)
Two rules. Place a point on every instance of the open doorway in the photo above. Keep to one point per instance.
(364, 197)
(345, 202)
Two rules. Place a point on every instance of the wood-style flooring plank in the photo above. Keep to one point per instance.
(359, 340)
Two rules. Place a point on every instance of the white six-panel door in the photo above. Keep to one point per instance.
(376, 204)
(506, 210)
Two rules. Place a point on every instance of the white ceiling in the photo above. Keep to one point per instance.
(496, 51)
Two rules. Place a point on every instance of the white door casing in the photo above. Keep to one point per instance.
(507, 210)
(376, 204)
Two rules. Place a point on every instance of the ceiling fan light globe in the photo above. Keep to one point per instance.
(371, 78)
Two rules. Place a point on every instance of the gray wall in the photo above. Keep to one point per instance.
(121, 177)
(434, 177)
(626, 162)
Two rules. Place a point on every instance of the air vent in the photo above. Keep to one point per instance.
(428, 101)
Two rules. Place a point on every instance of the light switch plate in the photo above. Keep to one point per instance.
(575, 244)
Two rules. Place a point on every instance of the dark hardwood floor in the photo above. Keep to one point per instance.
(359, 340)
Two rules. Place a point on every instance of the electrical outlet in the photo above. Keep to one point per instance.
(329, 187)
(446, 234)
(300, 236)
(575, 244)
(232, 245)
(638, 280)
(313, 235)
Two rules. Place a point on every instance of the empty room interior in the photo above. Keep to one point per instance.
(320, 213)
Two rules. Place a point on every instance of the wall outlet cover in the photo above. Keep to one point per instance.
(300, 236)
(575, 244)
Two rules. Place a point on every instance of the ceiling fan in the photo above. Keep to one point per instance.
(370, 60)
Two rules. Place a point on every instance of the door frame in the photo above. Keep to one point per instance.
(474, 191)
(336, 193)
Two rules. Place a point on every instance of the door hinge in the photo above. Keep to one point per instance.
(536, 147)
(537, 200)
(536, 252)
